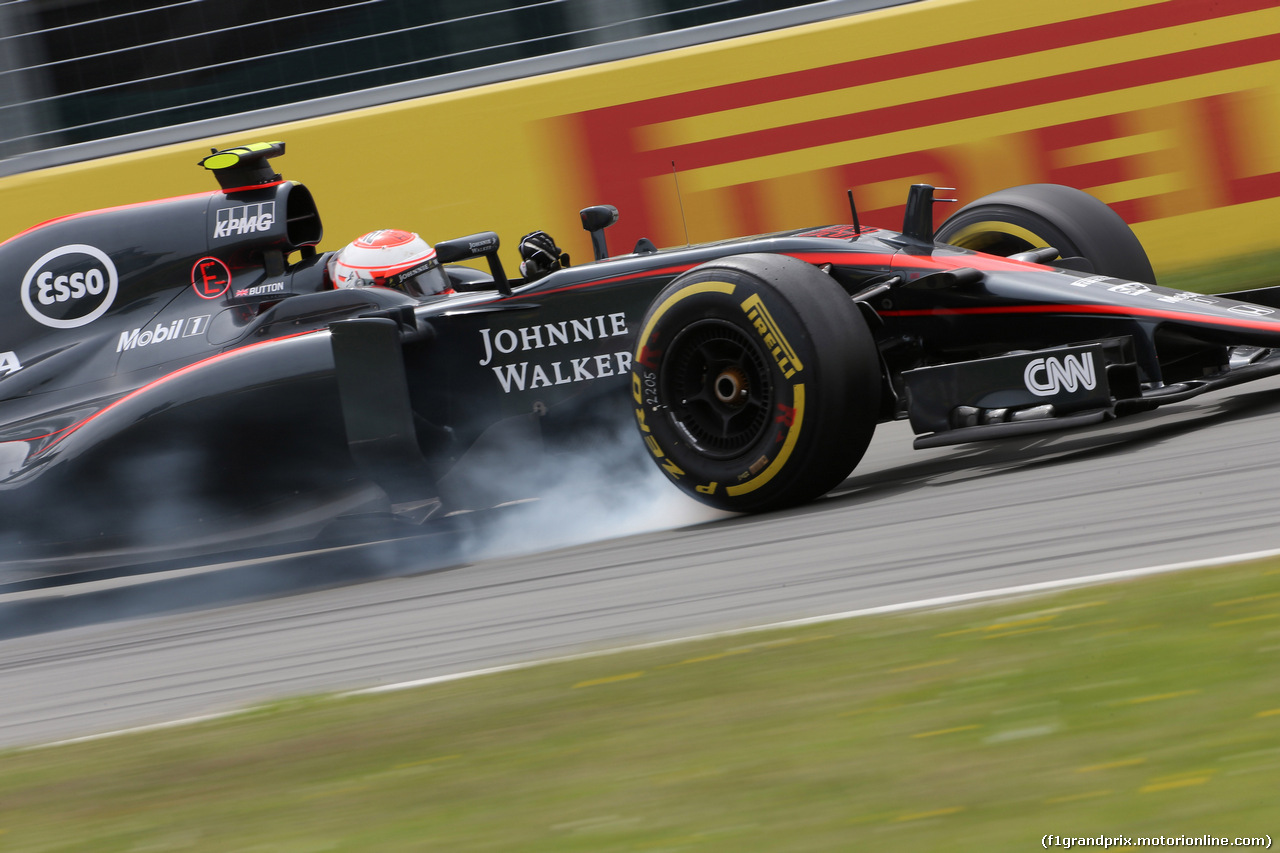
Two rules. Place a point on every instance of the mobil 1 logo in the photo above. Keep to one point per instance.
(70, 286)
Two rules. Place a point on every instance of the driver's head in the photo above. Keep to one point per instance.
(389, 258)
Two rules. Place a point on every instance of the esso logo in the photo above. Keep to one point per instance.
(70, 286)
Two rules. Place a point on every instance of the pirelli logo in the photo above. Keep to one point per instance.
(1135, 102)
(782, 352)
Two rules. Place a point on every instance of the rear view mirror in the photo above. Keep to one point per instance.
(467, 248)
(481, 245)
(594, 221)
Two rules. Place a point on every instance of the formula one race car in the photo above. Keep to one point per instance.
(183, 374)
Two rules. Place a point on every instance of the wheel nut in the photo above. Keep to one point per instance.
(731, 387)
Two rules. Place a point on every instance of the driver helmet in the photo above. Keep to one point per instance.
(389, 258)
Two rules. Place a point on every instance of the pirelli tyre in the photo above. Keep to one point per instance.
(1033, 216)
(756, 383)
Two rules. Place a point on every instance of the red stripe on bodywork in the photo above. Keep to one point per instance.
(249, 187)
(815, 258)
(1116, 310)
(148, 203)
(854, 259)
(977, 261)
(85, 213)
(675, 270)
(921, 263)
(182, 371)
(844, 259)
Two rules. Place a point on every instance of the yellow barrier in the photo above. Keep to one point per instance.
(1167, 109)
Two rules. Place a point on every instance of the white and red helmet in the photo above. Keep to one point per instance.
(389, 258)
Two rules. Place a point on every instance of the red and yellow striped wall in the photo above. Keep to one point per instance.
(1169, 110)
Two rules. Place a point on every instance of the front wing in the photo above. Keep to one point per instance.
(1052, 389)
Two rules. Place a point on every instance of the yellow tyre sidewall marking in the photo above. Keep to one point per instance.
(793, 433)
(761, 318)
(684, 292)
(963, 237)
(668, 466)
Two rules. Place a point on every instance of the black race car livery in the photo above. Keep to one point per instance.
(182, 374)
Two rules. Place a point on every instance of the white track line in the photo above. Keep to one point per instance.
(922, 604)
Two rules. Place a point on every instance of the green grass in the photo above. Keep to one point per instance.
(1140, 708)
(1260, 270)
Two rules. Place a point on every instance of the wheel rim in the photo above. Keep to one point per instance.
(1000, 237)
(993, 241)
(716, 381)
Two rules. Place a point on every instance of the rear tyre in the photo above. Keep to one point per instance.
(1037, 215)
(756, 383)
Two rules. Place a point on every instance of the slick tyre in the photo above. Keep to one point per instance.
(756, 383)
(1037, 215)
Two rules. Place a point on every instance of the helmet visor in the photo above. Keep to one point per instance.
(424, 279)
